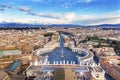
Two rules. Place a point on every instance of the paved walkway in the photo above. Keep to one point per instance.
(70, 74)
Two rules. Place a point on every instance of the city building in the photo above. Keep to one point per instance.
(4, 75)
(111, 66)
(97, 73)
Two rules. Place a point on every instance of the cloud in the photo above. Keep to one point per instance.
(37, 21)
(5, 6)
(25, 9)
(106, 18)
(93, 21)
(2, 9)
(82, 20)
(64, 16)
(69, 16)
(66, 4)
(88, 1)
(21, 8)
(85, 1)
(47, 18)
(52, 21)
(62, 3)
(37, 0)
(29, 11)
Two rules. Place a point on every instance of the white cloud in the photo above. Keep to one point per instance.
(66, 4)
(25, 8)
(1, 18)
(69, 3)
(37, 0)
(71, 18)
(109, 21)
(29, 11)
(64, 16)
(38, 21)
(107, 18)
(3, 7)
(88, 1)
(52, 21)
(85, 1)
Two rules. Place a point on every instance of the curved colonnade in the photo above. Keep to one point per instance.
(85, 60)
(44, 50)
(47, 49)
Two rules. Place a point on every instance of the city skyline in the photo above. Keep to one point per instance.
(83, 12)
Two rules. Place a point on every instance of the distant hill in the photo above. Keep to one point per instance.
(17, 25)
(109, 25)
(21, 25)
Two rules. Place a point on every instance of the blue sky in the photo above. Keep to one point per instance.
(84, 12)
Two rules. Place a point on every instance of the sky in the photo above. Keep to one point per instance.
(82, 12)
